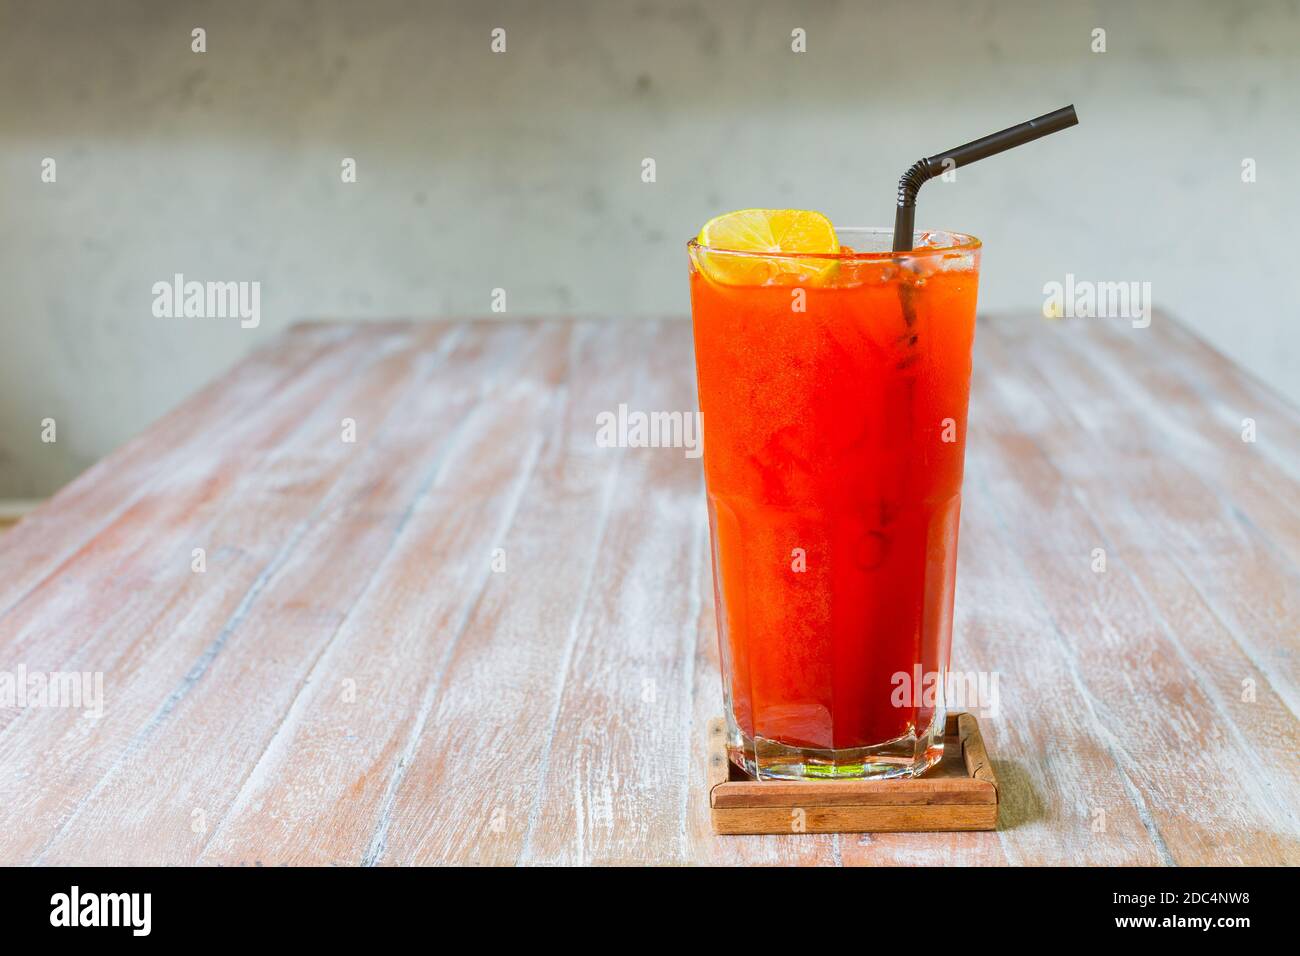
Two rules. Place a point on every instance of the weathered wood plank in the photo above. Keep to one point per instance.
(130, 584)
(51, 535)
(468, 795)
(614, 782)
(160, 639)
(1175, 746)
(1259, 480)
(350, 680)
(322, 790)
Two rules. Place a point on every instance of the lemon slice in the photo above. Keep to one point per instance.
(750, 231)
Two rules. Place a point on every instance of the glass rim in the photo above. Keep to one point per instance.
(962, 243)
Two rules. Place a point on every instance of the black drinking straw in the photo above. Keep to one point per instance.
(904, 223)
(926, 169)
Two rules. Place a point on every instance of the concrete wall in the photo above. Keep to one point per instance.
(523, 170)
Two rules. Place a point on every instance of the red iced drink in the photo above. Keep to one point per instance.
(834, 392)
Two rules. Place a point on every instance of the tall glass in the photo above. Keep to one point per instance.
(834, 393)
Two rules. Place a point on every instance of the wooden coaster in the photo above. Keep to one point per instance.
(958, 793)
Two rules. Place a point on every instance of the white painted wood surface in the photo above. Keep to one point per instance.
(351, 680)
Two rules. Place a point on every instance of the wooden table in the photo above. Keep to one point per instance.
(473, 636)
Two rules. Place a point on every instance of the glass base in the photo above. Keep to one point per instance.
(907, 756)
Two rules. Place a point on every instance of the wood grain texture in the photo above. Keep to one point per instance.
(473, 636)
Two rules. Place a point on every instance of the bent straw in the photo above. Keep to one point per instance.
(909, 185)
(926, 169)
